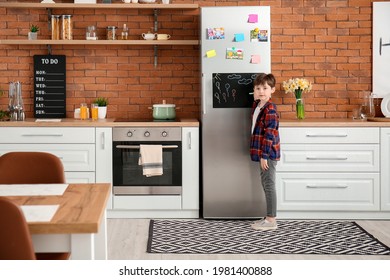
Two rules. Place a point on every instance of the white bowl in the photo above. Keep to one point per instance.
(147, 1)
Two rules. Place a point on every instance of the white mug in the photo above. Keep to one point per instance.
(163, 36)
(165, 1)
(126, 1)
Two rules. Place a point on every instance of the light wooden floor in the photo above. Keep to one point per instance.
(127, 239)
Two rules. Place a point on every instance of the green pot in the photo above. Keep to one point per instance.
(164, 111)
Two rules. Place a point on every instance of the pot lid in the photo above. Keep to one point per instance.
(164, 105)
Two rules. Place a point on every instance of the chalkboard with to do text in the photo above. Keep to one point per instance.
(233, 90)
(49, 86)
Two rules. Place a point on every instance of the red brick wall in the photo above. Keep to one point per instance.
(327, 42)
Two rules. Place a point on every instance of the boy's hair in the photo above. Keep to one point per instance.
(263, 79)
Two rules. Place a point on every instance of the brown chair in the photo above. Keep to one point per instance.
(15, 238)
(31, 168)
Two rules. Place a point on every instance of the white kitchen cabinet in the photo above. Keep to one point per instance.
(380, 48)
(385, 169)
(190, 160)
(329, 192)
(74, 157)
(80, 177)
(104, 157)
(104, 154)
(86, 155)
(49, 135)
(330, 158)
(329, 135)
(330, 172)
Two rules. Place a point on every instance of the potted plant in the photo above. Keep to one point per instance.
(102, 107)
(33, 34)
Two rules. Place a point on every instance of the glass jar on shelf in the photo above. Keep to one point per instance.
(55, 27)
(125, 32)
(111, 33)
(67, 28)
(91, 33)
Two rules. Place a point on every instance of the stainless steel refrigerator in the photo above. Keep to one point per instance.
(235, 47)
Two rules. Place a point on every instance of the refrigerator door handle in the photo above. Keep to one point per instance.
(203, 96)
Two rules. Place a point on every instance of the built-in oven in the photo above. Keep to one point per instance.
(128, 178)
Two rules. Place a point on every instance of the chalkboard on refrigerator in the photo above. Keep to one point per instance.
(49, 86)
(233, 90)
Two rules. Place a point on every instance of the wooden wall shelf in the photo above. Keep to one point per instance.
(98, 42)
(23, 5)
(49, 6)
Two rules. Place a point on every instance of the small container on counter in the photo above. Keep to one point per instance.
(55, 27)
(67, 28)
(111, 32)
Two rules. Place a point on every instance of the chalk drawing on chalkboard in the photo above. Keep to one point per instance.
(232, 90)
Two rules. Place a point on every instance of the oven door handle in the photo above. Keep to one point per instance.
(138, 146)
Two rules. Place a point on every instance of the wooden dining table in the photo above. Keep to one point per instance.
(79, 224)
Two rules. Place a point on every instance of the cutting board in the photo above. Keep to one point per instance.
(378, 119)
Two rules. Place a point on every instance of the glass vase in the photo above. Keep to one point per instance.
(300, 109)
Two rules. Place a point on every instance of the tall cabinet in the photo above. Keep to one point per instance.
(385, 169)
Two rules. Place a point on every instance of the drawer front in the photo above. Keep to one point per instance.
(50, 135)
(150, 202)
(74, 157)
(335, 135)
(328, 191)
(338, 158)
(80, 177)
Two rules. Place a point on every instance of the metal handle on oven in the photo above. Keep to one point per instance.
(137, 146)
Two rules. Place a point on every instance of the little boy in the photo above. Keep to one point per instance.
(265, 144)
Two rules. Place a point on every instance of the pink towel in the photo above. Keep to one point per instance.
(151, 160)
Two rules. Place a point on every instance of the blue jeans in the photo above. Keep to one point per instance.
(269, 186)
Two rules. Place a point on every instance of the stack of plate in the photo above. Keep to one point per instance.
(147, 1)
(385, 106)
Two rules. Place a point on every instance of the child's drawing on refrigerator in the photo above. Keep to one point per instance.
(215, 33)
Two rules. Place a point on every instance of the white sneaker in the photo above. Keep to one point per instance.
(265, 225)
(258, 222)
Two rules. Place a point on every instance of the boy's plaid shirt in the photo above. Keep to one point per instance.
(265, 141)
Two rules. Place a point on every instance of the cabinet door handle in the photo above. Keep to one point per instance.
(327, 186)
(103, 141)
(325, 158)
(43, 135)
(326, 135)
(203, 95)
(189, 141)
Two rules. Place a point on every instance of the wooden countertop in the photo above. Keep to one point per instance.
(81, 209)
(332, 122)
(69, 122)
(101, 123)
